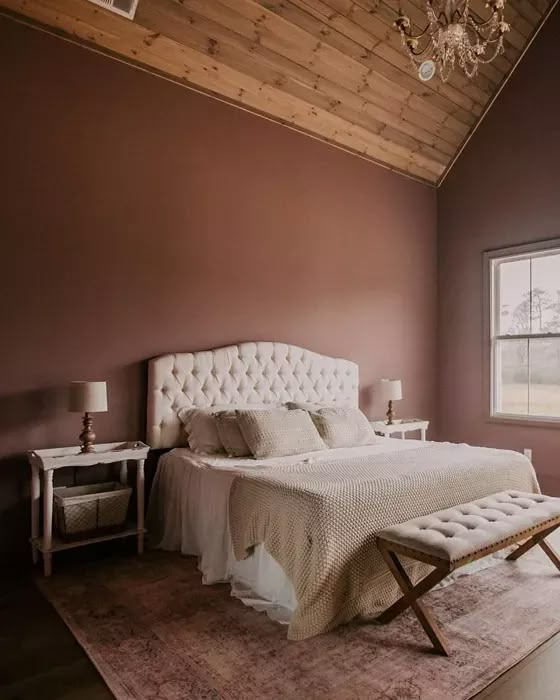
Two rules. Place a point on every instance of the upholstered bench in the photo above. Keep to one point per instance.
(457, 536)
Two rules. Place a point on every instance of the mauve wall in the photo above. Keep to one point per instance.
(504, 190)
(140, 218)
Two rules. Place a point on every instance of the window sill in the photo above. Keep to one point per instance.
(524, 422)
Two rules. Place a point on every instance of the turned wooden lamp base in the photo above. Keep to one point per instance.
(87, 436)
(390, 414)
(87, 398)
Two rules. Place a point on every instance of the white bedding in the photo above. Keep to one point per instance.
(188, 512)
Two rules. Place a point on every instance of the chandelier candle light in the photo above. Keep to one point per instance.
(453, 35)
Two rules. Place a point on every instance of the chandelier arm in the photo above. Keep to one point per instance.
(415, 36)
(494, 33)
(494, 40)
(414, 52)
(498, 49)
(492, 20)
(477, 35)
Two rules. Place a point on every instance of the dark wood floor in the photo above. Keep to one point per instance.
(40, 660)
(39, 657)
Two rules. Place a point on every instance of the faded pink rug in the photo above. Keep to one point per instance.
(155, 632)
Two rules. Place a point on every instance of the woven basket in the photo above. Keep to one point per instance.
(90, 510)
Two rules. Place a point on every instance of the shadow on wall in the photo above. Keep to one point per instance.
(31, 407)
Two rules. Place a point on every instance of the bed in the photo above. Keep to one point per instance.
(295, 536)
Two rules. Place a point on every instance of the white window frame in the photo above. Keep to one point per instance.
(492, 259)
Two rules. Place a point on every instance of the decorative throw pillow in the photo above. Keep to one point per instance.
(201, 427)
(230, 435)
(202, 430)
(305, 405)
(343, 427)
(278, 432)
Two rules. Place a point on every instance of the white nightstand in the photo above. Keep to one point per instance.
(46, 461)
(405, 426)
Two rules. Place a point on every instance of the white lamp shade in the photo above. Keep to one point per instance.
(391, 389)
(87, 397)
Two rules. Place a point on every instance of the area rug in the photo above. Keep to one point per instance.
(155, 632)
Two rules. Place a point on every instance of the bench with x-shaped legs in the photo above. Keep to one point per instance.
(457, 536)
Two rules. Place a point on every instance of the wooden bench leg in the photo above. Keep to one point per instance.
(410, 598)
(538, 539)
(422, 587)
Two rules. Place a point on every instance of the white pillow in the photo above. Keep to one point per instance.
(306, 405)
(230, 435)
(343, 427)
(279, 432)
(202, 430)
(201, 427)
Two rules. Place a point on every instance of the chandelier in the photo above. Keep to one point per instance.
(453, 35)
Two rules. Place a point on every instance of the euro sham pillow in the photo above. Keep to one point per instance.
(278, 433)
(203, 433)
(305, 405)
(343, 427)
(231, 436)
(201, 429)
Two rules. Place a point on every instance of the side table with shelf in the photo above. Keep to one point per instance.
(404, 426)
(43, 465)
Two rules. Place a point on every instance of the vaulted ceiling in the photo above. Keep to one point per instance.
(334, 69)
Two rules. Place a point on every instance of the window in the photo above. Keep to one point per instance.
(524, 286)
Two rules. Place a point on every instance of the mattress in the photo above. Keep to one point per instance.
(188, 512)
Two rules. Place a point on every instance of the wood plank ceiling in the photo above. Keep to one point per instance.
(334, 69)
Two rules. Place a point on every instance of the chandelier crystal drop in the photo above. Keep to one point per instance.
(454, 35)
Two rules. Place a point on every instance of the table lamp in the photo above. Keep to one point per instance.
(86, 398)
(391, 390)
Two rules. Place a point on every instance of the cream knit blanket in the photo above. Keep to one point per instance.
(319, 520)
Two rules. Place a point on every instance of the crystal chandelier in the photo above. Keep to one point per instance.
(453, 35)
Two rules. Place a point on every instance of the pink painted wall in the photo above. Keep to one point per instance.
(504, 190)
(140, 218)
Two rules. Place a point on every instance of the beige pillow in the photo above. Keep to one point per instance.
(231, 436)
(305, 405)
(343, 427)
(201, 426)
(279, 432)
(202, 430)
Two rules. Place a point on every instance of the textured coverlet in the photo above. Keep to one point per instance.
(319, 520)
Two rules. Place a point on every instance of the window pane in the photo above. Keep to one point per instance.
(512, 376)
(544, 377)
(514, 300)
(546, 294)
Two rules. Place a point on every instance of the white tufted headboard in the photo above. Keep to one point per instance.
(260, 372)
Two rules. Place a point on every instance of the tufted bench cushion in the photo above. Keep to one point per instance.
(454, 537)
(470, 529)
